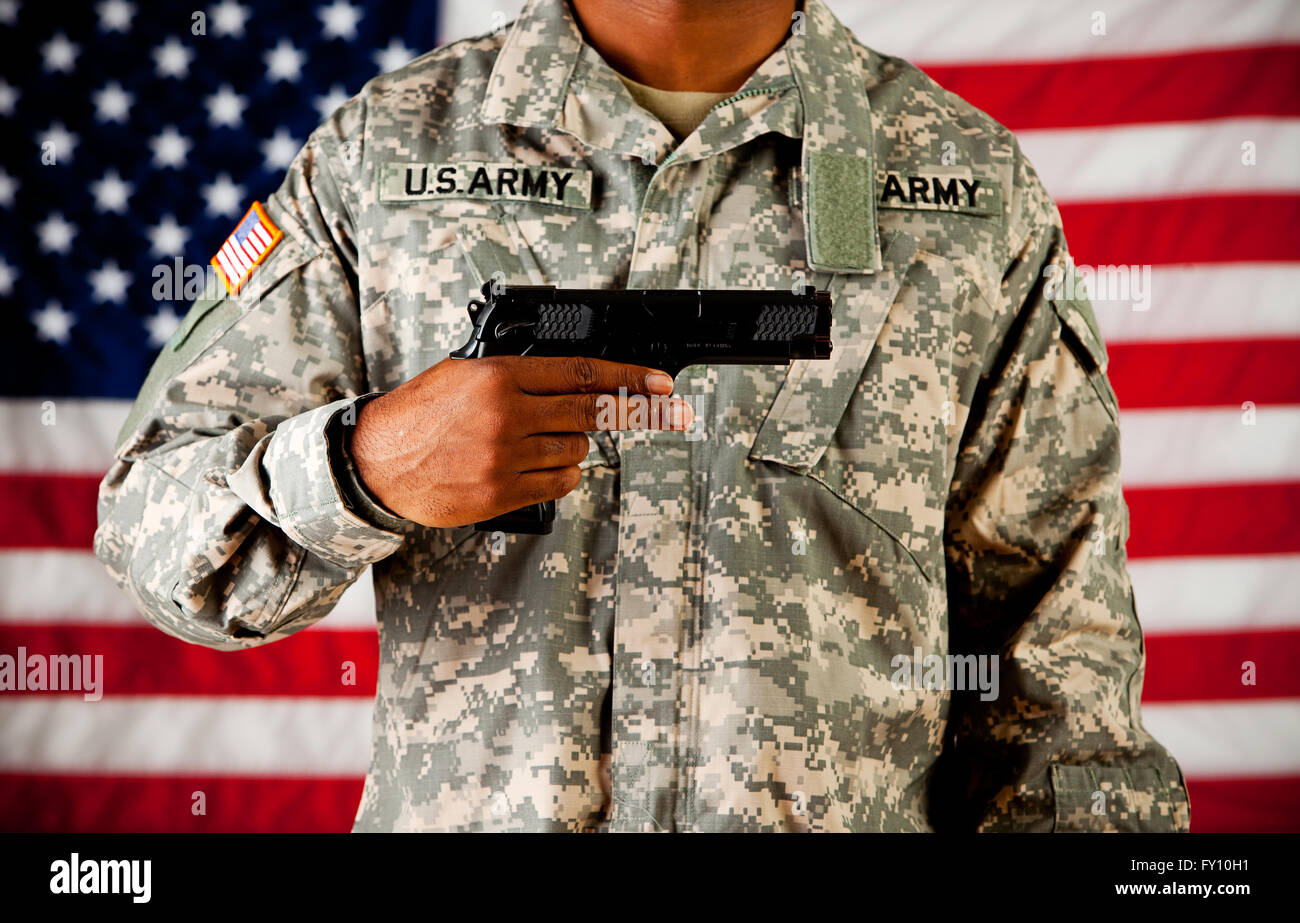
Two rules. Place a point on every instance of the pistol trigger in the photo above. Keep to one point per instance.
(506, 326)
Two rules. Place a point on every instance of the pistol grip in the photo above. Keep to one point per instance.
(530, 520)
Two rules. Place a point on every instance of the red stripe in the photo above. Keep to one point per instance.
(1206, 374)
(159, 804)
(1224, 519)
(1207, 667)
(1269, 805)
(48, 510)
(1194, 229)
(144, 661)
(1109, 91)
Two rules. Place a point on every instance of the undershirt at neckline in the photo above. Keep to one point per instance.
(681, 111)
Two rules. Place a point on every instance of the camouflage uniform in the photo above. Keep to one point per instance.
(707, 640)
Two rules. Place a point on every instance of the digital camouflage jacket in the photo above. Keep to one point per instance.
(731, 628)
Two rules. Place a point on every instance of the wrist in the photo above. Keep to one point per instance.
(348, 460)
(362, 443)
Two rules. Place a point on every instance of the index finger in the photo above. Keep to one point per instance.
(583, 375)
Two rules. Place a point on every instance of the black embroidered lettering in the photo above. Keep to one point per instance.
(480, 181)
(560, 182)
(424, 180)
(534, 184)
(945, 193)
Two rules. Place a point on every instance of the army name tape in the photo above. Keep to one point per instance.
(935, 191)
(471, 179)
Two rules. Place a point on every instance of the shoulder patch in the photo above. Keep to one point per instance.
(941, 189)
(568, 187)
(248, 245)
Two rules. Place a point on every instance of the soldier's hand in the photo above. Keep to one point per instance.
(470, 439)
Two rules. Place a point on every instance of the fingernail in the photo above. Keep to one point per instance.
(680, 415)
(659, 383)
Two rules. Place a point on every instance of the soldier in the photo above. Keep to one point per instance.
(748, 618)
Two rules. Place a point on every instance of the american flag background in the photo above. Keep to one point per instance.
(138, 133)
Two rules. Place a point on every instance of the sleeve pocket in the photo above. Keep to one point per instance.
(1082, 336)
(1101, 799)
(208, 318)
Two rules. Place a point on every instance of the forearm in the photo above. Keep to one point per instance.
(237, 539)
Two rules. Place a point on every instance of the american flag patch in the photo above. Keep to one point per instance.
(253, 238)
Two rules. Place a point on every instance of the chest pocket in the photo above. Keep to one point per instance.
(868, 423)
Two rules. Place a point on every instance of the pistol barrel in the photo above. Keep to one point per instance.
(664, 328)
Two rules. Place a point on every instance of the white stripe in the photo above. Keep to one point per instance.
(458, 19)
(59, 434)
(237, 257)
(1173, 159)
(935, 31)
(232, 274)
(938, 31)
(1174, 595)
(1166, 446)
(250, 251)
(1229, 739)
(263, 236)
(1209, 445)
(235, 735)
(1206, 302)
(226, 736)
(1202, 594)
(72, 588)
(257, 246)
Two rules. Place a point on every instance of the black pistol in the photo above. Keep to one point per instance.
(666, 329)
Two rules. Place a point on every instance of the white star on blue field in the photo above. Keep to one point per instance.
(139, 132)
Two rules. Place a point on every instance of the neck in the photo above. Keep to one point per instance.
(706, 45)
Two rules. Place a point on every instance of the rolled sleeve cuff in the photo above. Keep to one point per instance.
(309, 500)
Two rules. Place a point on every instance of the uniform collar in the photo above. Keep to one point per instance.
(810, 89)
